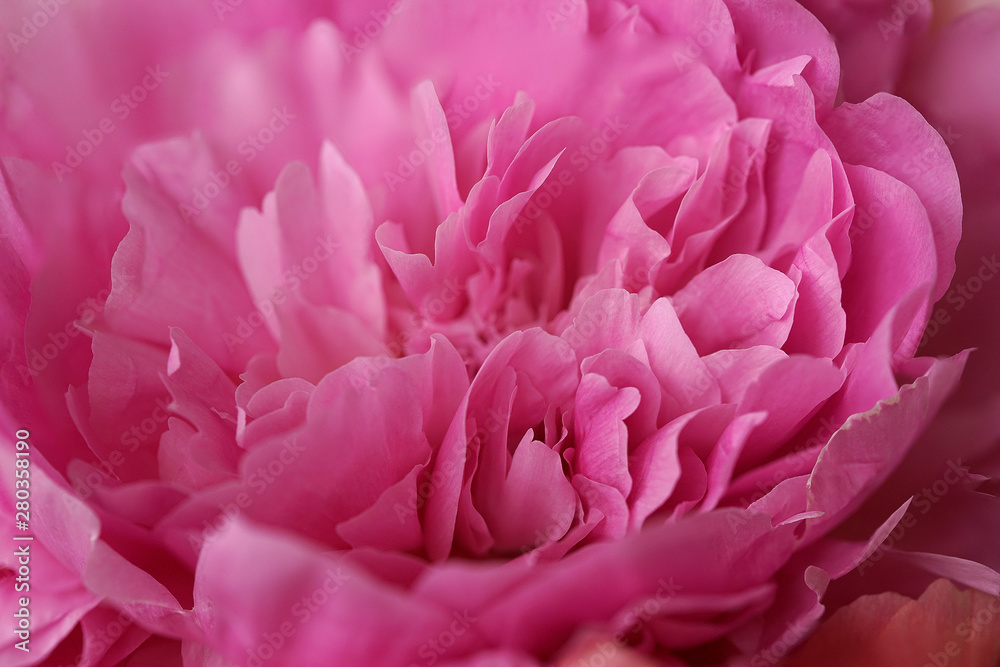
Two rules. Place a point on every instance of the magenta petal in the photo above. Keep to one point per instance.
(906, 148)
(628, 237)
(690, 17)
(722, 461)
(543, 370)
(502, 658)
(739, 302)
(811, 206)
(622, 370)
(870, 445)
(251, 581)
(318, 339)
(392, 522)
(507, 136)
(278, 411)
(433, 131)
(127, 402)
(607, 320)
(312, 240)
(162, 266)
(315, 464)
(711, 205)
(578, 324)
(801, 33)
(539, 613)
(656, 470)
(605, 510)
(538, 503)
(820, 323)
(684, 377)
(202, 449)
(59, 598)
(870, 365)
(601, 435)
(737, 371)
(791, 391)
(893, 252)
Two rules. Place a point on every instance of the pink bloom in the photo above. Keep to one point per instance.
(455, 334)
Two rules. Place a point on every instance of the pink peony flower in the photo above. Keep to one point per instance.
(440, 333)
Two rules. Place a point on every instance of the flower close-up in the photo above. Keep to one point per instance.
(500, 333)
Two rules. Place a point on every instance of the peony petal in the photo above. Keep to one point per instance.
(887, 134)
(275, 580)
(872, 444)
(739, 302)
